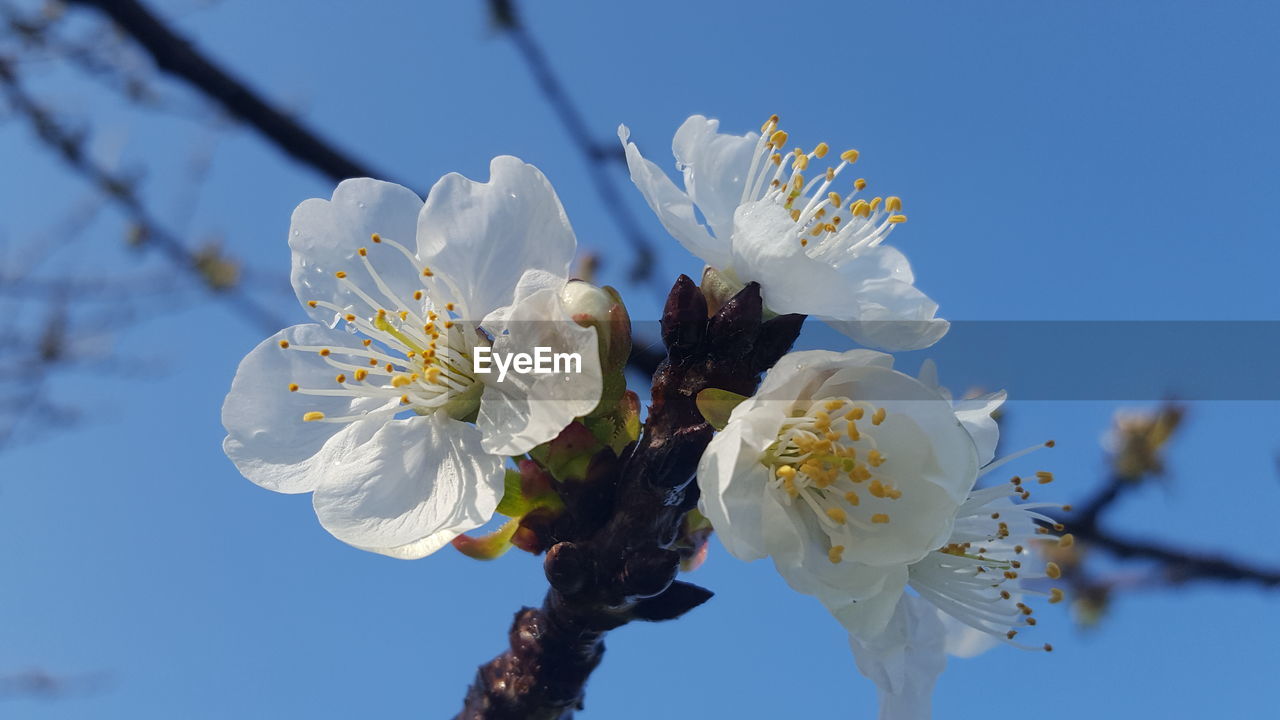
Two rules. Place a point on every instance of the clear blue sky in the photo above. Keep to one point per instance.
(1091, 160)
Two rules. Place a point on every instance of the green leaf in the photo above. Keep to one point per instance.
(716, 405)
(514, 503)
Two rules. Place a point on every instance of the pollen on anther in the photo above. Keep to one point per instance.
(1055, 595)
(836, 553)
(312, 303)
(880, 518)
(878, 416)
(361, 374)
(340, 378)
(897, 219)
(1066, 541)
(363, 252)
(284, 344)
(404, 399)
(366, 342)
(340, 274)
(417, 294)
(324, 352)
(778, 138)
(350, 318)
(376, 237)
(293, 387)
(1044, 477)
(852, 498)
(1052, 570)
(893, 203)
(312, 416)
(426, 272)
(860, 184)
(849, 156)
(837, 515)
(821, 151)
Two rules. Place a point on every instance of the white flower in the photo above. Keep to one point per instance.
(813, 251)
(371, 408)
(858, 481)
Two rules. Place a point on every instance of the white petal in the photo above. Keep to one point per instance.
(325, 235)
(715, 167)
(964, 640)
(266, 437)
(765, 250)
(890, 314)
(733, 485)
(523, 410)
(901, 394)
(673, 208)
(417, 482)
(905, 660)
(975, 415)
(484, 236)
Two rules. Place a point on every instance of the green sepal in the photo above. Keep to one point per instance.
(716, 405)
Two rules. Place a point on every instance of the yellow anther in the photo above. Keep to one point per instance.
(361, 374)
(1052, 570)
(1066, 541)
(896, 219)
(433, 374)
(859, 473)
(1055, 596)
(404, 399)
(801, 162)
(390, 367)
(376, 237)
(893, 203)
(860, 208)
(324, 352)
(769, 124)
(852, 498)
(448, 324)
(363, 252)
(860, 184)
(417, 294)
(876, 488)
(284, 344)
(448, 306)
(880, 518)
(830, 174)
(849, 156)
(426, 272)
(837, 515)
(366, 342)
(340, 378)
(312, 416)
(404, 315)
(293, 387)
(776, 159)
(786, 471)
(1044, 477)
(778, 138)
(340, 274)
(795, 215)
(312, 303)
(836, 553)
(835, 199)
(833, 405)
(877, 417)
(797, 183)
(349, 317)
(855, 414)
(821, 151)
(875, 203)
(854, 435)
(875, 458)
(1048, 647)
(400, 380)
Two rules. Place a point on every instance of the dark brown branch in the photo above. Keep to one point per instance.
(1181, 565)
(177, 56)
(596, 155)
(623, 569)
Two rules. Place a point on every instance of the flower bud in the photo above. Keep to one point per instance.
(601, 308)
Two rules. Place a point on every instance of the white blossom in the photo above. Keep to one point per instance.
(375, 407)
(774, 217)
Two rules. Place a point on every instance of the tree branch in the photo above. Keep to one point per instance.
(604, 574)
(177, 56)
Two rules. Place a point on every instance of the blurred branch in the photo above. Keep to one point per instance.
(595, 154)
(70, 147)
(177, 56)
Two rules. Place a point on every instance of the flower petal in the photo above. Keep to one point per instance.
(417, 482)
(326, 234)
(715, 169)
(523, 410)
(733, 485)
(484, 236)
(905, 660)
(266, 436)
(673, 207)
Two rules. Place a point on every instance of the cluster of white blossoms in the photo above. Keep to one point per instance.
(861, 483)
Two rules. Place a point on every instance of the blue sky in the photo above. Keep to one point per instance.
(1072, 161)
